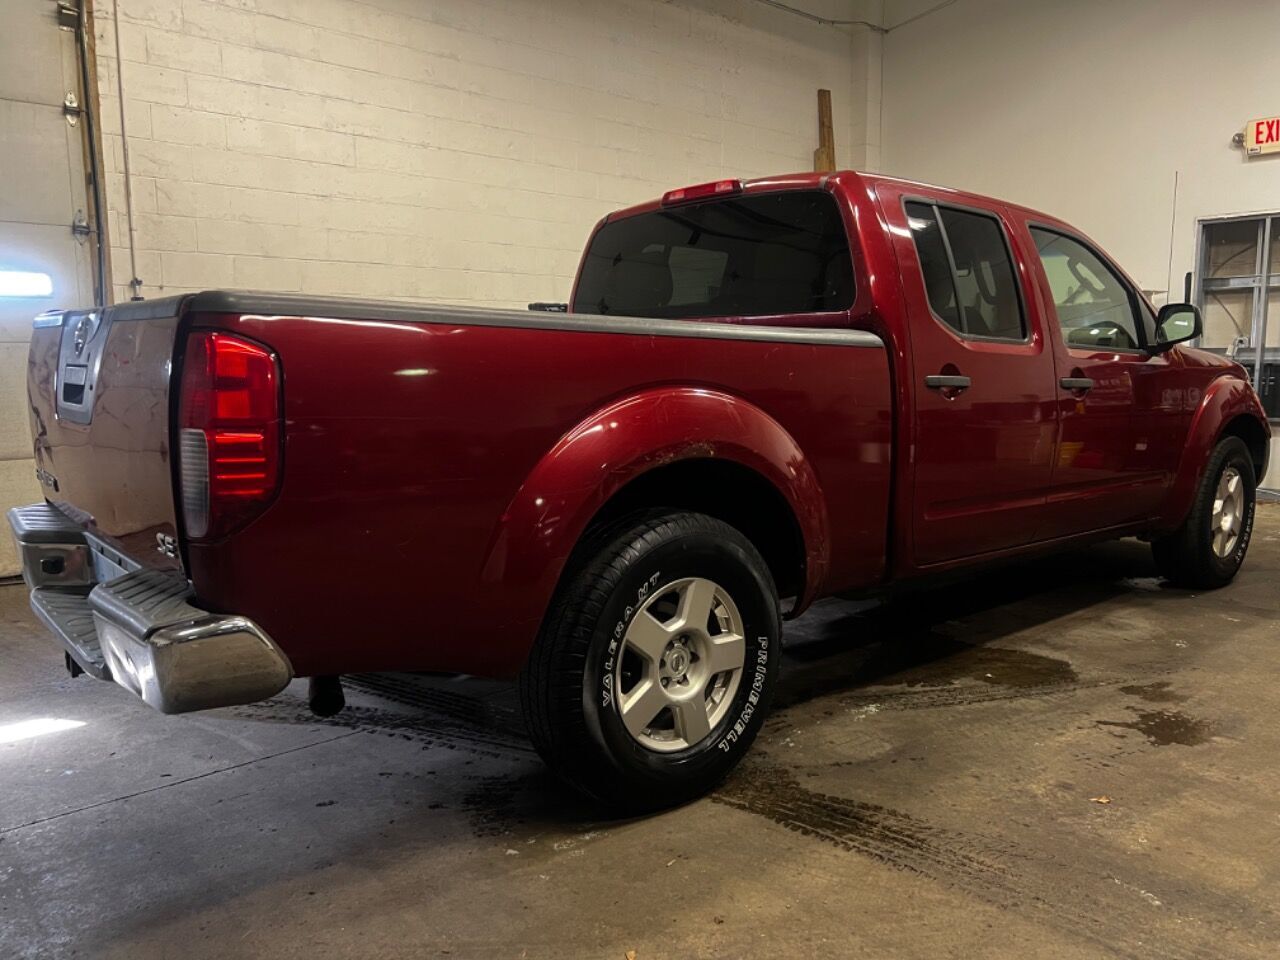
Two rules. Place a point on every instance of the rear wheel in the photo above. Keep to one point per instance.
(654, 669)
(1209, 548)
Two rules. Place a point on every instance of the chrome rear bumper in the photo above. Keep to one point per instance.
(139, 628)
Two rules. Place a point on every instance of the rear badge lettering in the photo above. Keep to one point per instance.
(47, 479)
(166, 544)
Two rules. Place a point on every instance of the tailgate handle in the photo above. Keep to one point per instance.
(74, 378)
(1076, 384)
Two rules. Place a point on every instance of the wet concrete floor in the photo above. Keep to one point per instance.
(1059, 759)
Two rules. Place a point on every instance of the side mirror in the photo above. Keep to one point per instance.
(1176, 323)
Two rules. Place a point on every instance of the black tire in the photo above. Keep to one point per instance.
(569, 691)
(1187, 557)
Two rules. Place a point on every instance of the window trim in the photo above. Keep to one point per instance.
(1113, 268)
(937, 205)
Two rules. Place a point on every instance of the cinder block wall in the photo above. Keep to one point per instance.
(456, 151)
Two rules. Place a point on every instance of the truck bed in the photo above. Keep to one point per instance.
(411, 434)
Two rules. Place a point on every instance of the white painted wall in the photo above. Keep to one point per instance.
(1087, 110)
(456, 151)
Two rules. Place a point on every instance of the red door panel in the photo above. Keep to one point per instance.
(983, 452)
(1098, 480)
(1118, 446)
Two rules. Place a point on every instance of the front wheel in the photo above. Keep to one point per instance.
(1209, 547)
(654, 669)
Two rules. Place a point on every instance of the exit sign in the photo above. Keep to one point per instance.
(1262, 136)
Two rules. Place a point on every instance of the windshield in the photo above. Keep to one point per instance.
(777, 253)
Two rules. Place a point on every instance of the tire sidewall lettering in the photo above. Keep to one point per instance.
(759, 680)
(616, 634)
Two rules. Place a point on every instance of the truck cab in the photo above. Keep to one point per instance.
(1050, 400)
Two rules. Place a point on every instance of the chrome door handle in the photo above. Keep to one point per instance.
(941, 381)
(1076, 383)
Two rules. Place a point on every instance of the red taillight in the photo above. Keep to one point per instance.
(699, 191)
(229, 432)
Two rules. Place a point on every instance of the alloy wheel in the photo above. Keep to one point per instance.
(680, 664)
(1228, 512)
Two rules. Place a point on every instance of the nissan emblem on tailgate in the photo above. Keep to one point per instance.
(83, 331)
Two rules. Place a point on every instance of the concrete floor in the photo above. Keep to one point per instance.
(931, 786)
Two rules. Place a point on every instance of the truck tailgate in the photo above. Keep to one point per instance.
(98, 390)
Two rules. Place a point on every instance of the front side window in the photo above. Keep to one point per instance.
(967, 270)
(1095, 308)
(762, 255)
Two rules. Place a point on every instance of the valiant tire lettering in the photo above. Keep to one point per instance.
(616, 635)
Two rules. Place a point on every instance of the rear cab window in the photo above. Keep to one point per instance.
(745, 256)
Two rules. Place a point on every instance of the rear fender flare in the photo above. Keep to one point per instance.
(618, 443)
(1225, 399)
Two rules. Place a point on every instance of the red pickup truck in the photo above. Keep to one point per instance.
(761, 393)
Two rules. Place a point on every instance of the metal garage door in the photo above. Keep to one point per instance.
(42, 193)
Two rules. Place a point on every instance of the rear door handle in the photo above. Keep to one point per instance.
(941, 381)
(1084, 384)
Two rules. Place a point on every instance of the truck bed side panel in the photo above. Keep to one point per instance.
(407, 440)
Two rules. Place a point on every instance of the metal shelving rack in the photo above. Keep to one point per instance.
(1216, 279)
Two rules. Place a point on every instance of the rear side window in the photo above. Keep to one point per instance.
(967, 270)
(778, 253)
(939, 283)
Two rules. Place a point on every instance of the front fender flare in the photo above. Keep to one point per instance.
(1225, 399)
(623, 440)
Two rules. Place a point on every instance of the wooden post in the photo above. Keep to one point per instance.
(824, 158)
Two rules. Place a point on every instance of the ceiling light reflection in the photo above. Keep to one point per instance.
(26, 729)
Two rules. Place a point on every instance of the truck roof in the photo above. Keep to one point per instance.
(816, 181)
